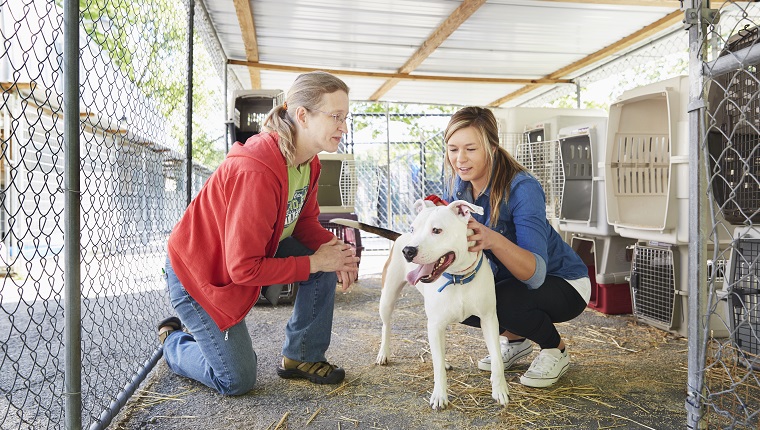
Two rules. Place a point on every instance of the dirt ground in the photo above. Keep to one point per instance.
(623, 375)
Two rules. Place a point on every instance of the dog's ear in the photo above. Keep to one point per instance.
(464, 209)
(421, 204)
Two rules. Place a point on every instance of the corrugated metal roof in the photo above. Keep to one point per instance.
(521, 39)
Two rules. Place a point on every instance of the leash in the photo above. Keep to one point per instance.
(462, 279)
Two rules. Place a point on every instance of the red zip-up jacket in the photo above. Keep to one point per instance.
(222, 247)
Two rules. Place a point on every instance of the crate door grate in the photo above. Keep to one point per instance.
(652, 284)
(577, 168)
(544, 161)
(745, 295)
(641, 166)
(348, 183)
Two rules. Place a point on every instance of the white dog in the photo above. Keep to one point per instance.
(455, 283)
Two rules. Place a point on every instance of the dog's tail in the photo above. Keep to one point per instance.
(382, 232)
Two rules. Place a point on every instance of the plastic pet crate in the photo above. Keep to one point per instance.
(733, 137)
(584, 204)
(540, 151)
(550, 126)
(646, 166)
(337, 183)
(743, 286)
(286, 295)
(518, 120)
(745, 323)
(608, 268)
(248, 110)
(659, 292)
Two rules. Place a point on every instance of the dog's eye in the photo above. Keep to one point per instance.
(437, 231)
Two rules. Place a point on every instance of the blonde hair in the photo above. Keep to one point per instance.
(501, 166)
(307, 91)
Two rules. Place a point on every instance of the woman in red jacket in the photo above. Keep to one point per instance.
(254, 223)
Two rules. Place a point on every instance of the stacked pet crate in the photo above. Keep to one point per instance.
(337, 195)
(742, 277)
(583, 214)
(646, 178)
(540, 153)
(247, 111)
(733, 142)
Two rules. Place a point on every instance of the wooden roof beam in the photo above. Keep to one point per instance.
(399, 76)
(654, 3)
(244, 12)
(439, 35)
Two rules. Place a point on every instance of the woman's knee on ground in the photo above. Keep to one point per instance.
(240, 379)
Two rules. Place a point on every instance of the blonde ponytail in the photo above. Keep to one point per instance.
(307, 91)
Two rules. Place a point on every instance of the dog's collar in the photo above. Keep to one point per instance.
(462, 279)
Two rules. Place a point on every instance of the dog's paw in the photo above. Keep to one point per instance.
(501, 396)
(381, 359)
(438, 400)
(500, 392)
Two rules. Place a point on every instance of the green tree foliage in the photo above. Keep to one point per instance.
(208, 110)
(147, 42)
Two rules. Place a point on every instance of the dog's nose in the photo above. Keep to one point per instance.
(409, 252)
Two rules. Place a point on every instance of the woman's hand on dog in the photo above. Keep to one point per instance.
(482, 236)
(336, 256)
(520, 262)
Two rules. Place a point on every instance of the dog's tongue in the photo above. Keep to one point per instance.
(420, 272)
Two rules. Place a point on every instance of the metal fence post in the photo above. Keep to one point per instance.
(388, 204)
(227, 109)
(697, 282)
(72, 282)
(189, 100)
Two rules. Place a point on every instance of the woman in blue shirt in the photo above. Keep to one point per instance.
(540, 280)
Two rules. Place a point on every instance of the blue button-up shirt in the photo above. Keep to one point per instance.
(522, 220)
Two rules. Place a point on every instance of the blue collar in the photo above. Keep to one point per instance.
(462, 279)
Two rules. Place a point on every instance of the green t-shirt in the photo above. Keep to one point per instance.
(298, 187)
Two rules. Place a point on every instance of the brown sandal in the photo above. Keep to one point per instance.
(167, 327)
(320, 372)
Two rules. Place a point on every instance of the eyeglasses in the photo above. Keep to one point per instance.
(339, 118)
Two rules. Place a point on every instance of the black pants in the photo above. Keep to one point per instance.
(532, 313)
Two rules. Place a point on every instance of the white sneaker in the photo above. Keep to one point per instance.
(510, 352)
(546, 368)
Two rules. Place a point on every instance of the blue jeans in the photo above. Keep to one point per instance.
(226, 361)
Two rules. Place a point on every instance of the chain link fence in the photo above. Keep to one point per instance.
(729, 142)
(133, 174)
(134, 177)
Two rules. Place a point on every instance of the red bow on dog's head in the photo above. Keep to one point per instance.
(437, 200)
